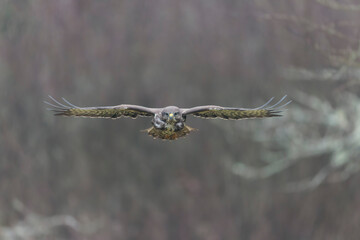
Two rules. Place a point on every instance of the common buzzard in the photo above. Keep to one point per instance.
(168, 122)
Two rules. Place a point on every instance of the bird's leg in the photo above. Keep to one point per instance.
(158, 123)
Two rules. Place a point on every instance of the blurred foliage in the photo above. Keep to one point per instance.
(67, 178)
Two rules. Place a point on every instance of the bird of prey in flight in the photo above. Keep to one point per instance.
(168, 122)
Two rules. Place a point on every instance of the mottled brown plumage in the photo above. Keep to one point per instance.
(169, 122)
(169, 135)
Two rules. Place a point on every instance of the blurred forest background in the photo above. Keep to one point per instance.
(294, 177)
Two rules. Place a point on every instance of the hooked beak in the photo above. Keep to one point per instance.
(171, 116)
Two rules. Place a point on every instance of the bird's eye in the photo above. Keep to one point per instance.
(177, 113)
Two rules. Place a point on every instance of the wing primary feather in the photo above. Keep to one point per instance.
(273, 106)
(55, 106)
(267, 103)
(58, 102)
(51, 109)
(284, 105)
(70, 104)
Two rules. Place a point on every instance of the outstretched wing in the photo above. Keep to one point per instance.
(237, 113)
(123, 110)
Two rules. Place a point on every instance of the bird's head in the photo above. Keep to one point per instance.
(171, 114)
